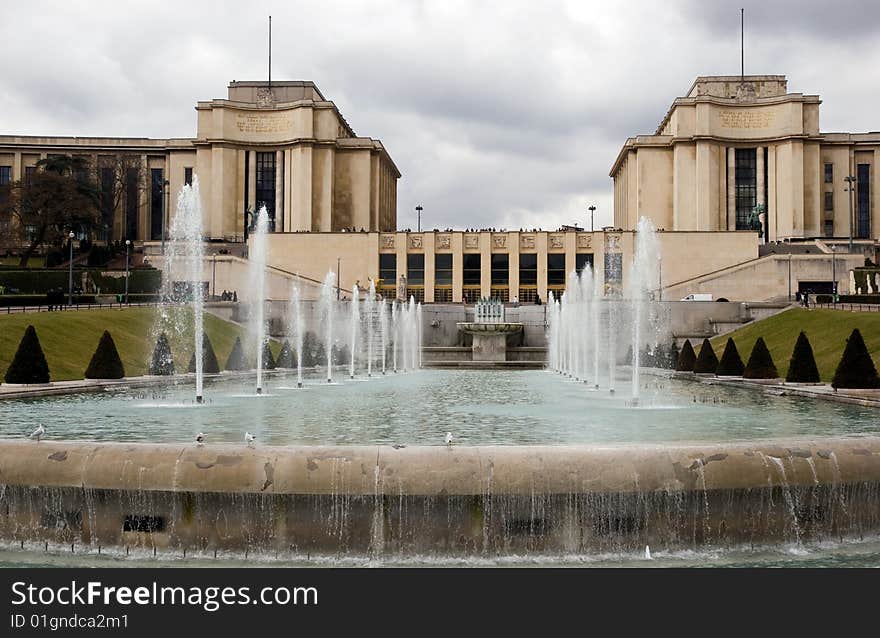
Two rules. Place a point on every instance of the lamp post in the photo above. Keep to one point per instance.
(789, 277)
(213, 276)
(592, 210)
(419, 210)
(70, 237)
(851, 186)
(164, 191)
(127, 262)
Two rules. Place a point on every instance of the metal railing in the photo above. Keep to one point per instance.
(81, 306)
(852, 307)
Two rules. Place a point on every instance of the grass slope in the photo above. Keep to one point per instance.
(69, 339)
(827, 331)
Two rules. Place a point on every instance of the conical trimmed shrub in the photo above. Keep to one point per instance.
(210, 365)
(286, 358)
(29, 364)
(314, 353)
(760, 364)
(268, 359)
(802, 366)
(163, 361)
(856, 368)
(672, 356)
(707, 362)
(236, 359)
(105, 363)
(731, 364)
(686, 358)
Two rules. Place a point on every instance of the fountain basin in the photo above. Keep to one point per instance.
(439, 500)
(489, 339)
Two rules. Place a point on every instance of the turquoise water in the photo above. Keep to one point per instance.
(479, 407)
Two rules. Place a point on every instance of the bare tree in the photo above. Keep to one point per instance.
(122, 179)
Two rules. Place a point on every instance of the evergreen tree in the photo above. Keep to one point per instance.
(29, 364)
(105, 363)
(802, 366)
(686, 358)
(731, 364)
(760, 364)
(268, 359)
(314, 353)
(236, 359)
(286, 358)
(707, 362)
(210, 365)
(163, 361)
(341, 354)
(629, 356)
(672, 356)
(856, 368)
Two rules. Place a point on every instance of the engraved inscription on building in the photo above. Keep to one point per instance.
(264, 122)
(746, 119)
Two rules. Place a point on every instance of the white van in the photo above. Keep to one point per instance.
(699, 296)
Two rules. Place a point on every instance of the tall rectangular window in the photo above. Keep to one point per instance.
(829, 173)
(500, 270)
(131, 204)
(829, 201)
(266, 185)
(528, 269)
(108, 185)
(388, 269)
(863, 197)
(471, 269)
(5, 180)
(555, 269)
(157, 180)
(829, 228)
(415, 269)
(581, 260)
(746, 186)
(443, 269)
(29, 173)
(188, 175)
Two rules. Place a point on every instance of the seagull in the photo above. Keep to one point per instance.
(648, 553)
(449, 439)
(38, 433)
(200, 438)
(249, 438)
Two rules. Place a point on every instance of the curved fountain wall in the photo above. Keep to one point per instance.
(439, 500)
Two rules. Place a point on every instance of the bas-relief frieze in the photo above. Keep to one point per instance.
(499, 241)
(387, 241)
(415, 241)
(471, 241)
(612, 243)
(584, 241)
(527, 241)
(556, 241)
(444, 242)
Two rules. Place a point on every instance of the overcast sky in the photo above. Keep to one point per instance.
(498, 113)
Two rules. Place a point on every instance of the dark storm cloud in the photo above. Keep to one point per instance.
(502, 113)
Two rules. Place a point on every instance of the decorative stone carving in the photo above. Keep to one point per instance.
(265, 98)
(612, 243)
(499, 241)
(415, 241)
(585, 241)
(471, 241)
(556, 241)
(387, 241)
(444, 241)
(527, 241)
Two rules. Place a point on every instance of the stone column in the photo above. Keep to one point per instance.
(485, 264)
(252, 181)
(541, 250)
(457, 266)
(16, 167)
(279, 191)
(429, 241)
(760, 178)
(240, 180)
(513, 264)
(731, 188)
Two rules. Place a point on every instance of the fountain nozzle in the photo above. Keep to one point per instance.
(299, 384)
(199, 399)
(259, 390)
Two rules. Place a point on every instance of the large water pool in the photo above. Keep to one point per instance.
(478, 407)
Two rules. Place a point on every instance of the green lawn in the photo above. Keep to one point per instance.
(827, 331)
(69, 339)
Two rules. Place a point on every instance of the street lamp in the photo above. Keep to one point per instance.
(851, 181)
(127, 261)
(419, 210)
(164, 191)
(70, 236)
(833, 275)
(592, 210)
(660, 274)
